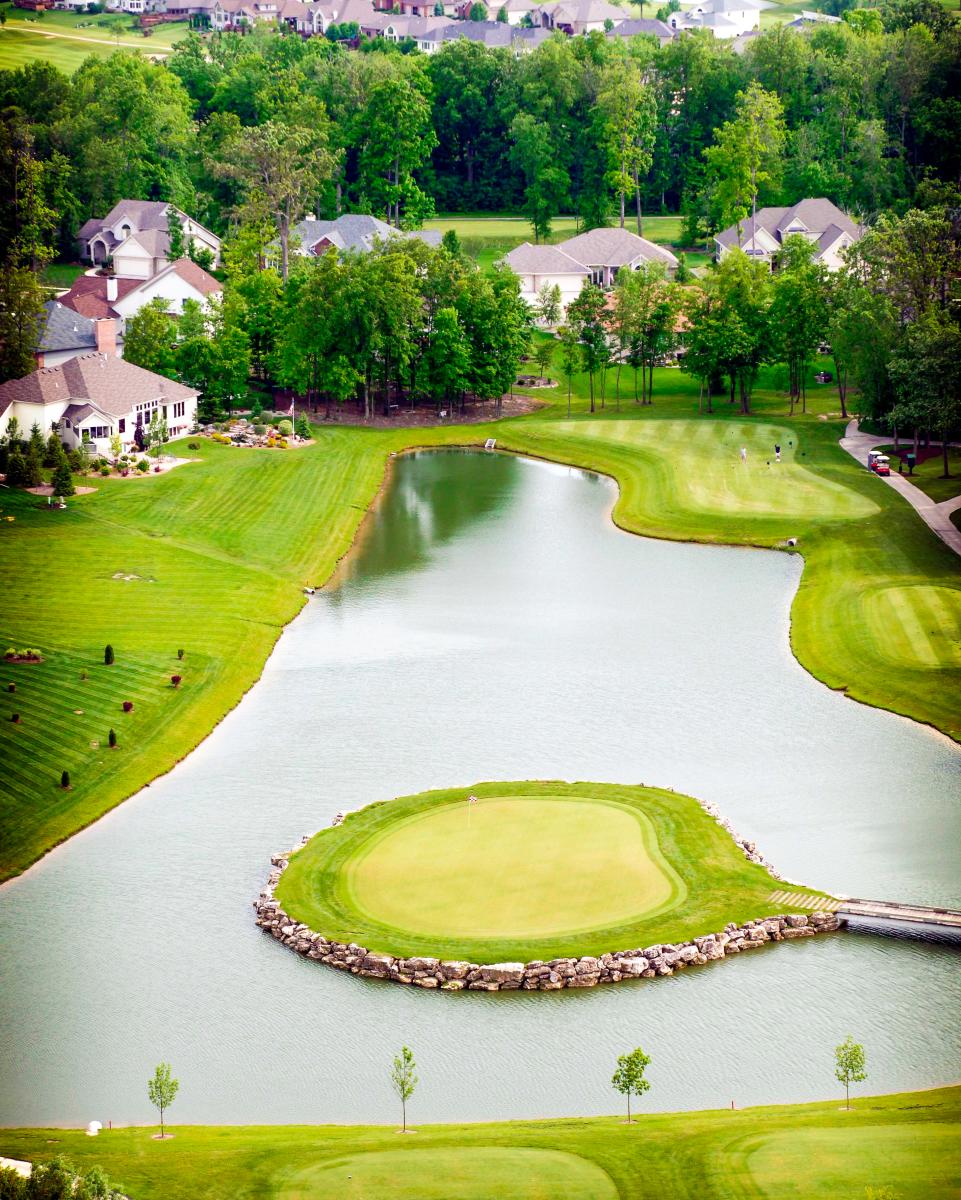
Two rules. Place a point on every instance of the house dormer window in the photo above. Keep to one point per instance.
(125, 230)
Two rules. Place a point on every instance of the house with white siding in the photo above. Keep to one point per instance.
(138, 232)
(819, 220)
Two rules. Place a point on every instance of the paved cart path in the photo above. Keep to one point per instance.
(936, 516)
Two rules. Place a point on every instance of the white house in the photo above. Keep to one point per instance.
(538, 267)
(818, 220)
(596, 255)
(95, 396)
(351, 231)
(146, 222)
(726, 19)
(98, 296)
(578, 16)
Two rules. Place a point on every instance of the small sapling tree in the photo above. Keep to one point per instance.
(162, 1091)
(112, 739)
(108, 655)
(62, 479)
(65, 780)
(629, 1079)
(403, 1079)
(849, 1065)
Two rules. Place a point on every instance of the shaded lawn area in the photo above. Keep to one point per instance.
(61, 275)
(222, 547)
(929, 469)
(906, 1143)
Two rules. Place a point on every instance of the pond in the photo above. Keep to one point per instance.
(491, 624)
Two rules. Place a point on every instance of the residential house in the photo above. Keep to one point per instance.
(352, 231)
(807, 19)
(635, 28)
(818, 220)
(244, 14)
(65, 333)
(146, 222)
(94, 397)
(98, 296)
(488, 33)
(577, 16)
(726, 19)
(514, 10)
(596, 255)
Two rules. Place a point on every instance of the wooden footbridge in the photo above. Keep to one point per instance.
(929, 920)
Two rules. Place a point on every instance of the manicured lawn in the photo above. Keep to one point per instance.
(907, 1143)
(432, 875)
(66, 39)
(19, 47)
(62, 275)
(223, 546)
(929, 471)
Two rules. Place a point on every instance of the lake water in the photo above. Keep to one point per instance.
(492, 624)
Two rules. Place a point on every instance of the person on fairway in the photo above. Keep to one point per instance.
(744, 454)
(777, 452)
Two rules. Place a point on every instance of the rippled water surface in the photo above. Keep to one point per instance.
(492, 624)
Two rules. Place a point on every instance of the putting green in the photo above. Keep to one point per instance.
(529, 871)
(456, 1173)
(707, 474)
(513, 866)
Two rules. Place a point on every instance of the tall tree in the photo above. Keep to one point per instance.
(743, 292)
(746, 154)
(398, 138)
(547, 184)
(799, 311)
(151, 339)
(279, 166)
(21, 307)
(586, 315)
(629, 113)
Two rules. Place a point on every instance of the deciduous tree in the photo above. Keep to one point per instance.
(629, 1079)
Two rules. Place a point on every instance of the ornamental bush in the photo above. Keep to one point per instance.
(62, 480)
(65, 780)
(285, 428)
(128, 706)
(143, 466)
(108, 655)
(112, 739)
(175, 680)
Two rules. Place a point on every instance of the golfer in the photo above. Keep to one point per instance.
(777, 452)
(744, 454)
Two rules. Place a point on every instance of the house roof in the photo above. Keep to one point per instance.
(145, 214)
(356, 231)
(65, 329)
(818, 215)
(634, 27)
(89, 228)
(80, 412)
(526, 259)
(110, 384)
(614, 248)
(156, 242)
(88, 296)
(583, 12)
(490, 33)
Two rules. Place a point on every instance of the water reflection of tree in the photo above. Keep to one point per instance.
(433, 496)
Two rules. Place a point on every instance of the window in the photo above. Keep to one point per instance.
(98, 431)
(122, 425)
(179, 409)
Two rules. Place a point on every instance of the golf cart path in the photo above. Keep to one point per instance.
(936, 516)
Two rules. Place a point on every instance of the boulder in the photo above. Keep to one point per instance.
(377, 965)
(454, 970)
(797, 920)
(502, 973)
(632, 968)
(415, 965)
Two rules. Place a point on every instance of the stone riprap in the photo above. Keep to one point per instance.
(651, 962)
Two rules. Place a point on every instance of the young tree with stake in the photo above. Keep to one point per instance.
(629, 1079)
(849, 1065)
(162, 1091)
(403, 1079)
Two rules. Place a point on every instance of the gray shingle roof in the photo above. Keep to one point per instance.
(614, 248)
(632, 28)
(817, 214)
(145, 214)
(526, 259)
(155, 241)
(109, 383)
(355, 231)
(63, 329)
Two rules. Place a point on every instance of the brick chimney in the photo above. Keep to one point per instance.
(105, 332)
(111, 288)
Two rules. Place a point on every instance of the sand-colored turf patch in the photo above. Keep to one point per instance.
(513, 866)
(917, 626)
(453, 1173)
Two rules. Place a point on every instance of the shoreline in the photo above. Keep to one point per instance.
(472, 442)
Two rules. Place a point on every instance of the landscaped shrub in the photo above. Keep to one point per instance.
(143, 466)
(105, 470)
(285, 428)
(63, 480)
(23, 654)
(260, 430)
(180, 653)
(15, 718)
(303, 427)
(112, 739)
(65, 780)
(11, 687)
(175, 680)
(128, 706)
(108, 655)
(193, 445)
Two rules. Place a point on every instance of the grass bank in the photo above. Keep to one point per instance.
(905, 1143)
(432, 875)
(211, 558)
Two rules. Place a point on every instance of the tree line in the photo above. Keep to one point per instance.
(591, 125)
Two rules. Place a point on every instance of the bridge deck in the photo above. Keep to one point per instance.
(945, 918)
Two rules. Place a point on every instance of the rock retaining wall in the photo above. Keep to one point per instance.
(432, 973)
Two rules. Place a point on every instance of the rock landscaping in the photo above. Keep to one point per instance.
(262, 435)
(649, 962)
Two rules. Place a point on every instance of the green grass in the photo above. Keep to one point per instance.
(429, 875)
(907, 1143)
(62, 275)
(224, 545)
(928, 473)
(66, 39)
